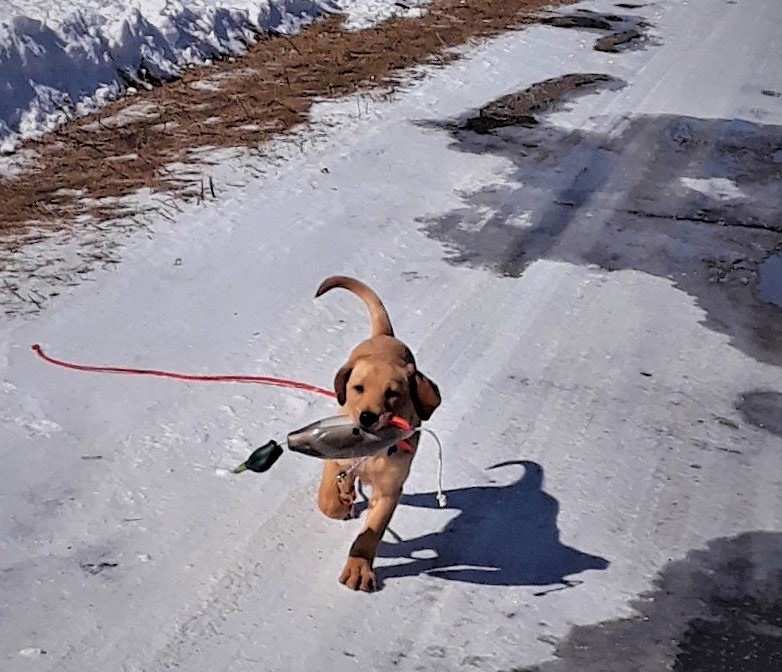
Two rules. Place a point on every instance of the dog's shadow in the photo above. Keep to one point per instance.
(504, 536)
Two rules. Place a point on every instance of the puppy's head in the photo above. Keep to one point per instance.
(373, 390)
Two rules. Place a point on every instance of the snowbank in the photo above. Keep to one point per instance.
(67, 58)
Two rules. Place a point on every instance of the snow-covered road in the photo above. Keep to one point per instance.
(582, 292)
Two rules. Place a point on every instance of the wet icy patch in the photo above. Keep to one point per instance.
(770, 285)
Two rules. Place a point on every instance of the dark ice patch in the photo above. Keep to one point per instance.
(763, 409)
(770, 284)
(717, 610)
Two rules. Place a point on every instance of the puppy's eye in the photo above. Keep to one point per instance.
(392, 395)
(358, 389)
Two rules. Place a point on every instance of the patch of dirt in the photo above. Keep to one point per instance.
(97, 567)
(623, 30)
(83, 167)
(519, 109)
(612, 42)
(583, 19)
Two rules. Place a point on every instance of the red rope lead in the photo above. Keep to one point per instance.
(189, 377)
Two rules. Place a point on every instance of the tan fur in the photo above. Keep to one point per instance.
(379, 320)
(379, 378)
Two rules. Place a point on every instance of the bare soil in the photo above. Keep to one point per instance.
(520, 109)
(623, 31)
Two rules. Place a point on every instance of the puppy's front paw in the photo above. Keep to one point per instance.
(358, 575)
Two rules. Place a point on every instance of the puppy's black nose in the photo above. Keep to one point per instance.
(368, 418)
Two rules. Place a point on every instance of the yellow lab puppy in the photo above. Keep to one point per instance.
(380, 380)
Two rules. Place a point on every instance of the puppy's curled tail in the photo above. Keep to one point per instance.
(379, 320)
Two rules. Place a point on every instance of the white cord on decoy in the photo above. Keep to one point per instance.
(442, 500)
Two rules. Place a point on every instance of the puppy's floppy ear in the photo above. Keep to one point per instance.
(341, 383)
(424, 394)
